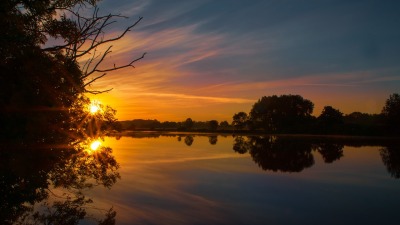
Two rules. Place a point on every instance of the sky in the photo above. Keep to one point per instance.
(209, 59)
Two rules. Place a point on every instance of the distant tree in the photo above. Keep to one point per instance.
(213, 124)
(391, 112)
(330, 118)
(224, 124)
(285, 113)
(361, 118)
(188, 124)
(200, 125)
(364, 123)
(169, 125)
(330, 115)
(240, 120)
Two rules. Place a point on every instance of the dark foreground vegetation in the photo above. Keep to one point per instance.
(46, 128)
(288, 114)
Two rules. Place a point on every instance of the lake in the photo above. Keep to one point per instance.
(200, 179)
(155, 178)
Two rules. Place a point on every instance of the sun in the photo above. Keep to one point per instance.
(94, 107)
(95, 145)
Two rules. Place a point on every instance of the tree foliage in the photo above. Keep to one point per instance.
(240, 120)
(391, 112)
(188, 124)
(213, 124)
(330, 115)
(42, 83)
(330, 119)
(280, 113)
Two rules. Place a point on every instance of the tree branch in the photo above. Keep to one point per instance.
(89, 36)
(98, 92)
(120, 67)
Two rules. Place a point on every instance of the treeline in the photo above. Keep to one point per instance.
(289, 114)
(186, 125)
(293, 114)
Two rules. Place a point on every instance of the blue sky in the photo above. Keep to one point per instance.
(209, 59)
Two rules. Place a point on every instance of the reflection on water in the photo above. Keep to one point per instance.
(208, 179)
(201, 179)
(286, 154)
(391, 158)
(47, 184)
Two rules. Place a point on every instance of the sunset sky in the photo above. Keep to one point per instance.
(210, 59)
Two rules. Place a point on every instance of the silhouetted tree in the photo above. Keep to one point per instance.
(41, 82)
(330, 119)
(286, 113)
(224, 124)
(213, 124)
(364, 124)
(188, 124)
(391, 111)
(240, 120)
(330, 116)
(44, 110)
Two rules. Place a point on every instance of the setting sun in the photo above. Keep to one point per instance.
(94, 107)
(95, 145)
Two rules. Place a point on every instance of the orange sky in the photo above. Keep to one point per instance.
(205, 61)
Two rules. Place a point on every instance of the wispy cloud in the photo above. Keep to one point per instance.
(211, 57)
(206, 98)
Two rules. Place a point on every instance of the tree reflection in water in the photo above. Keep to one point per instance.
(280, 154)
(391, 158)
(44, 184)
(330, 152)
(189, 140)
(285, 154)
(213, 139)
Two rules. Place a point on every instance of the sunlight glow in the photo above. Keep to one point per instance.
(94, 107)
(95, 145)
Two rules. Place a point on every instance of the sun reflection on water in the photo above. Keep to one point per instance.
(92, 146)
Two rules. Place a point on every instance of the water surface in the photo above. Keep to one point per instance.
(195, 179)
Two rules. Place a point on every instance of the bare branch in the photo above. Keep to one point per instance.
(120, 67)
(96, 44)
(98, 92)
(90, 35)
(94, 79)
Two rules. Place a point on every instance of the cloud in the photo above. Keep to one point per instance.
(207, 55)
(205, 98)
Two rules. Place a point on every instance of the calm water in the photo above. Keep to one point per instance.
(252, 180)
(149, 178)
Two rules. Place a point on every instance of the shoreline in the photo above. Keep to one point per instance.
(251, 133)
